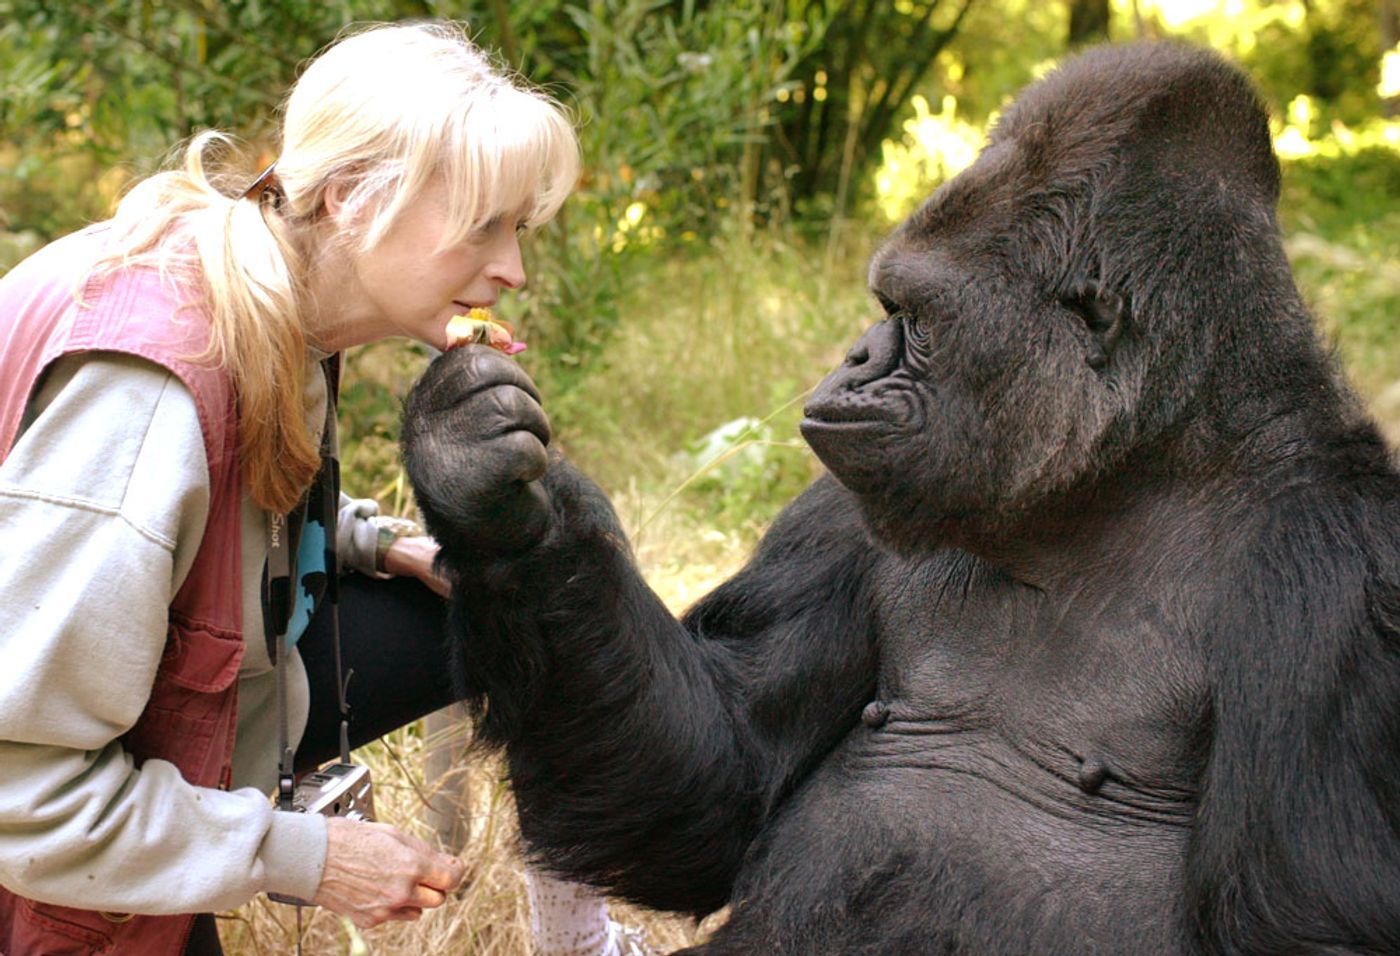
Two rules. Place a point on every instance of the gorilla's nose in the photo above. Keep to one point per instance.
(874, 356)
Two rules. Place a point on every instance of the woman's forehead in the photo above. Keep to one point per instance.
(475, 203)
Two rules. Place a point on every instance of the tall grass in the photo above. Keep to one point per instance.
(736, 327)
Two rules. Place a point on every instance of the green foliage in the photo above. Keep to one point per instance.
(934, 148)
(1342, 222)
(1000, 48)
(667, 100)
(1327, 49)
(99, 92)
(1349, 198)
(848, 91)
(1333, 53)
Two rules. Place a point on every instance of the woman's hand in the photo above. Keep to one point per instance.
(375, 873)
(413, 556)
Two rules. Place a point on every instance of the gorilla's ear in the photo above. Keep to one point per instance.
(1104, 314)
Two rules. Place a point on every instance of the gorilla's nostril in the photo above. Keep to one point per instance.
(858, 355)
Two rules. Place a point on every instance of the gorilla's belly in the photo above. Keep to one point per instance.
(910, 841)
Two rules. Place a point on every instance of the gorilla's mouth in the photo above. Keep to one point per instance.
(845, 417)
(845, 428)
(855, 445)
(850, 413)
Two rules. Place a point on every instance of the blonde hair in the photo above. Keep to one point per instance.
(384, 111)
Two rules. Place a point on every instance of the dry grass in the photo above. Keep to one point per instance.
(488, 917)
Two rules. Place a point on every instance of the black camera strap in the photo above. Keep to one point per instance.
(281, 583)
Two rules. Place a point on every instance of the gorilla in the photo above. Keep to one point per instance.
(1087, 640)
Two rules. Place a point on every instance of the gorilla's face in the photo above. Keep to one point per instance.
(986, 384)
(1064, 304)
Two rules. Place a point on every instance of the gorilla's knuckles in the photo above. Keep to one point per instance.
(474, 438)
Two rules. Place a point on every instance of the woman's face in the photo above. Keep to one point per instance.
(405, 285)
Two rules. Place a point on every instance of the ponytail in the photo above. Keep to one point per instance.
(241, 252)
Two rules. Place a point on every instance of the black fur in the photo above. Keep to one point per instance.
(1090, 642)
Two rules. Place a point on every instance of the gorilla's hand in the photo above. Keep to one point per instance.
(474, 438)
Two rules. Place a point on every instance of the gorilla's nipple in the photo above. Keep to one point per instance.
(875, 714)
(1093, 771)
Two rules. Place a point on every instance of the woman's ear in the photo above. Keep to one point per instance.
(334, 197)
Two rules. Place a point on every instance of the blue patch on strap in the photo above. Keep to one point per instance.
(311, 568)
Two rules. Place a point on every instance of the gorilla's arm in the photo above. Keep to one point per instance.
(644, 752)
(1307, 686)
(706, 723)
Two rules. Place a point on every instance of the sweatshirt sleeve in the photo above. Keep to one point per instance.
(362, 535)
(357, 530)
(103, 501)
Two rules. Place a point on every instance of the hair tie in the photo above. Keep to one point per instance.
(266, 185)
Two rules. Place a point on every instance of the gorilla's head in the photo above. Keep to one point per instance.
(1073, 298)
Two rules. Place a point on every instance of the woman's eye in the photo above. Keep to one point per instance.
(496, 224)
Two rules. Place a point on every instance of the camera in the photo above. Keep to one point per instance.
(335, 790)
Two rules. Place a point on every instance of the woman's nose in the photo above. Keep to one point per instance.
(507, 267)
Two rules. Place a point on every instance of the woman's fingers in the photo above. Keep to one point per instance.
(375, 873)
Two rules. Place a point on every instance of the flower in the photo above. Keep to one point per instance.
(479, 327)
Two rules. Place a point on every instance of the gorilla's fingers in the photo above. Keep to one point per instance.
(484, 367)
(511, 409)
(455, 377)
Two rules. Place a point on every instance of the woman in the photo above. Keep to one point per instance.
(163, 395)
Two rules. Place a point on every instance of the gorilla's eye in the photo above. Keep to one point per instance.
(916, 330)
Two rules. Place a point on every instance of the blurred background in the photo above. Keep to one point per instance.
(742, 160)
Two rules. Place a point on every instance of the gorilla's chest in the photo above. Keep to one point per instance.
(1056, 744)
(1034, 766)
(1085, 689)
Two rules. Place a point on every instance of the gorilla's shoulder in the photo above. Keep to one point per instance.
(817, 545)
(1322, 548)
(826, 511)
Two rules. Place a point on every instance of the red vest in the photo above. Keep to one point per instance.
(189, 719)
